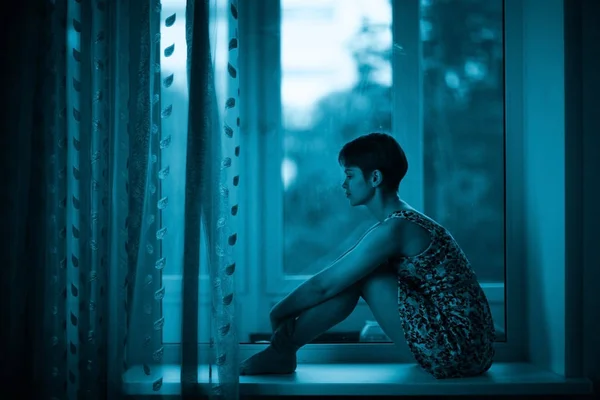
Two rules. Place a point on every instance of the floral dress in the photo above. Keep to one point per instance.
(445, 315)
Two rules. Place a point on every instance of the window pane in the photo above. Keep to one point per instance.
(463, 128)
(463, 102)
(336, 85)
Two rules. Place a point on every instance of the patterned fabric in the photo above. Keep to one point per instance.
(224, 330)
(147, 201)
(104, 197)
(445, 315)
(108, 127)
(212, 179)
(77, 206)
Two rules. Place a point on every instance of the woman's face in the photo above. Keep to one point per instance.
(357, 188)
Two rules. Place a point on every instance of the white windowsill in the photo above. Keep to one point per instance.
(374, 380)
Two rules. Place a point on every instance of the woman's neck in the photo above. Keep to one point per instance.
(381, 207)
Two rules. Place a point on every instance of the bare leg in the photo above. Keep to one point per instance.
(380, 291)
(280, 356)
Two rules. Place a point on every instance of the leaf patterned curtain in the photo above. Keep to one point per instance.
(212, 179)
(94, 126)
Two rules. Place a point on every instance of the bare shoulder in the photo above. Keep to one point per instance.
(410, 238)
(399, 228)
(393, 226)
(391, 231)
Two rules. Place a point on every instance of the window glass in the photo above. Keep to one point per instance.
(336, 84)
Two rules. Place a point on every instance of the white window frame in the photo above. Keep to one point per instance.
(261, 188)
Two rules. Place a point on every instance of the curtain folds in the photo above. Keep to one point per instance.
(212, 179)
(84, 283)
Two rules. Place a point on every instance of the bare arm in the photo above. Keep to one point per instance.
(357, 242)
(307, 295)
(376, 247)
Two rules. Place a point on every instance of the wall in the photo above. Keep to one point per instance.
(561, 84)
(544, 180)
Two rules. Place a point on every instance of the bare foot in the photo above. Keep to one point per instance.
(269, 361)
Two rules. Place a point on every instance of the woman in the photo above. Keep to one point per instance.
(411, 272)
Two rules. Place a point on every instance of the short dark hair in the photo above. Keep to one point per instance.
(376, 151)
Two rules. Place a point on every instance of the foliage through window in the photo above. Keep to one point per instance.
(337, 85)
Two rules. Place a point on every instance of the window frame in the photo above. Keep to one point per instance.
(263, 137)
(260, 123)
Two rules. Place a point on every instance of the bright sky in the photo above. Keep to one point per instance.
(316, 35)
(316, 56)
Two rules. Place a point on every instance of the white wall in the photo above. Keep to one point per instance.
(561, 126)
(544, 180)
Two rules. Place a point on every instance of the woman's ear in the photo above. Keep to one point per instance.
(377, 178)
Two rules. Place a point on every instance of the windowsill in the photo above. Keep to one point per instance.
(374, 380)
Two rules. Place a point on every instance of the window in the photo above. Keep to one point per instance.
(318, 73)
(347, 68)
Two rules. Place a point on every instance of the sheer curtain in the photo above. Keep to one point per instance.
(82, 297)
(212, 179)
